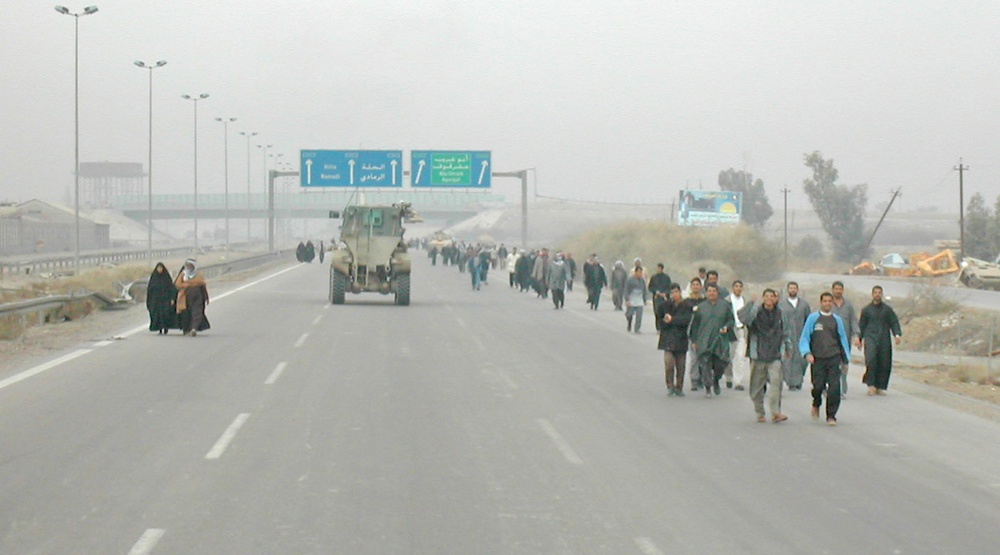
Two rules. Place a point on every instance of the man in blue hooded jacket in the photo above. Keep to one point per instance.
(824, 345)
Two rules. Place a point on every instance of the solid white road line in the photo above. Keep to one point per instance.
(647, 546)
(66, 358)
(227, 436)
(147, 541)
(252, 283)
(301, 341)
(317, 319)
(561, 443)
(276, 373)
(103, 343)
(42, 368)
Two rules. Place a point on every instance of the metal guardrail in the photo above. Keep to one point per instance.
(65, 263)
(46, 306)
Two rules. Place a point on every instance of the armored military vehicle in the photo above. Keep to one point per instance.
(440, 240)
(371, 255)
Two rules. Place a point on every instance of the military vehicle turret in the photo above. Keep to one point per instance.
(371, 255)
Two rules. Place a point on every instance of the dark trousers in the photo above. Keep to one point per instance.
(826, 376)
(711, 367)
(558, 298)
(512, 280)
(673, 365)
(878, 363)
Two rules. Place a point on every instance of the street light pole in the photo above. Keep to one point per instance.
(264, 148)
(248, 135)
(225, 124)
(195, 99)
(89, 10)
(149, 163)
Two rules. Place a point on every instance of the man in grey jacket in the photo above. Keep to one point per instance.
(636, 296)
(795, 310)
(843, 308)
(767, 343)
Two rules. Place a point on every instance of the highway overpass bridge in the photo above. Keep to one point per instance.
(450, 206)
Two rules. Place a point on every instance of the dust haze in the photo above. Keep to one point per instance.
(609, 101)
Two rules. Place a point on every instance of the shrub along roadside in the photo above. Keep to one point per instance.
(736, 252)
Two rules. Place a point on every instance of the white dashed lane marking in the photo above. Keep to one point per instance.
(276, 373)
(227, 437)
(561, 443)
(147, 541)
(647, 546)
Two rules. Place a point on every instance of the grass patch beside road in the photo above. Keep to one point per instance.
(735, 251)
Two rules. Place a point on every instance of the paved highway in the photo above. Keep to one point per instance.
(469, 422)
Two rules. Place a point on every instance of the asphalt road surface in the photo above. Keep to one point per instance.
(469, 422)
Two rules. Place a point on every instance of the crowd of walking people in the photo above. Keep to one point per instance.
(760, 344)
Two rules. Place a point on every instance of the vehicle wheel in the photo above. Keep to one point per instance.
(338, 287)
(403, 289)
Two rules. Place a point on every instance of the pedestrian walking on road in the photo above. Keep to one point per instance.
(474, 264)
(843, 308)
(619, 275)
(824, 345)
(539, 272)
(659, 287)
(693, 298)
(557, 279)
(795, 309)
(767, 343)
(571, 264)
(161, 296)
(636, 296)
(710, 331)
(192, 299)
(738, 369)
(878, 327)
(674, 315)
(511, 262)
(595, 278)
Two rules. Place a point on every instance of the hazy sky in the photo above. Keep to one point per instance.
(609, 100)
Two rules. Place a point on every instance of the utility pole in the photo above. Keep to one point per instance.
(785, 192)
(882, 219)
(961, 209)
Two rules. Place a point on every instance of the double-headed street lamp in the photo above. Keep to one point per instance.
(89, 10)
(149, 163)
(195, 100)
(248, 135)
(225, 124)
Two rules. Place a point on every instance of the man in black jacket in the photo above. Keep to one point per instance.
(659, 288)
(673, 316)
